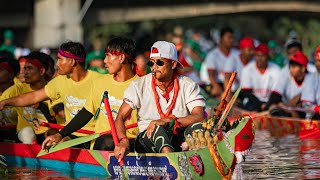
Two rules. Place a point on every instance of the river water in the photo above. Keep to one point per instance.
(270, 158)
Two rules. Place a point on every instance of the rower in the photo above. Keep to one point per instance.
(287, 91)
(71, 86)
(166, 103)
(35, 69)
(217, 58)
(258, 79)
(120, 54)
(9, 68)
(310, 95)
(246, 47)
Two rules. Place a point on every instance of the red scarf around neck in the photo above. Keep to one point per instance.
(157, 100)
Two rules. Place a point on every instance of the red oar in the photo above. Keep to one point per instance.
(58, 126)
(113, 130)
(8, 126)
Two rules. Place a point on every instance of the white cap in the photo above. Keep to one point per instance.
(164, 49)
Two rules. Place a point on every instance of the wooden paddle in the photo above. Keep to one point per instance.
(114, 132)
(77, 141)
(228, 108)
(224, 96)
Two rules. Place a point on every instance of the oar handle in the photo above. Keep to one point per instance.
(223, 102)
(127, 127)
(57, 126)
(8, 126)
(111, 122)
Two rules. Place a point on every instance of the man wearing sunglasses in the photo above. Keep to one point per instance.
(165, 101)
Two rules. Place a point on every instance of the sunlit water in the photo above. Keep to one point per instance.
(270, 158)
(282, 158)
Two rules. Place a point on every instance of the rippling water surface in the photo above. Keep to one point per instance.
(282, 158)
(270, 158)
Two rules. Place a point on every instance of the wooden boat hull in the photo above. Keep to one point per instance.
(103, 163)
(278, 126)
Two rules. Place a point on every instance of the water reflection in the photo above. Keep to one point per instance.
(282, 158)
(28, 173)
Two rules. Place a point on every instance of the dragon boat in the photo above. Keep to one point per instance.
(278, 126)
(216, 161)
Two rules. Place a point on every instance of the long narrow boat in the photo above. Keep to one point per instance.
(278, 126)
(214, 162)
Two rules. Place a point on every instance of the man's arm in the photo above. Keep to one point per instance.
(26, 99)
(124, 112)
(123, 147)
(80, 120)
(197, 115)
(216, 88)
(293, 102)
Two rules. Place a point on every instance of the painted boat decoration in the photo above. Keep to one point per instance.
(214, 162)
(3, 165)
(278, 126)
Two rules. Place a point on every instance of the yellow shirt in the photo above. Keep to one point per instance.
(115, 90)
(26, 115)
(73, 94)
(16, 80)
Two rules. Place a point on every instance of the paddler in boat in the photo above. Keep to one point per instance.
(246, 54)
(9, 68)
(166, 102)
(217, 58)
(71, 86)
(310, 95)
(120, 54)
(258, 79)
(29, 116)
(287, 92)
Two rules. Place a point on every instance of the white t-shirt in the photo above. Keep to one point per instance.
(235, 65)
(139, 95)
(261, 84)
(311, 91)
(216, 60)
(288, 88)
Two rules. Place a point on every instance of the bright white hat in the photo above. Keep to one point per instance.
(164, 49)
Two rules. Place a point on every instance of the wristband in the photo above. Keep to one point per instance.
(171, 125)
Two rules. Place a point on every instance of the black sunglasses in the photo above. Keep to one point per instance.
(158, 62)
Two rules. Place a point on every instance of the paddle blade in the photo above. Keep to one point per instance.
(69, 143)
(124, 172)
(228, 108)
(310, 134)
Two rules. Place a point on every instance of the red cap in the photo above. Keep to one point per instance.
(317, 52)
(246, 42)
(300, 58)
(262, 48)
